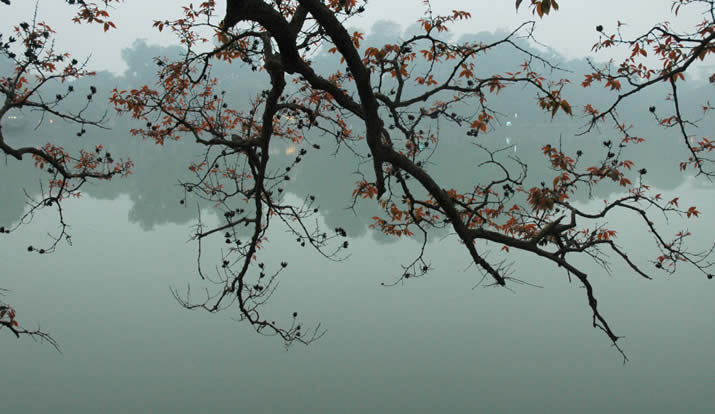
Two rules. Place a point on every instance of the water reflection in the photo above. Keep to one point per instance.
(427, 346)
(155, 192)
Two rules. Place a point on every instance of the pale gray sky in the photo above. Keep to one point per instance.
(571, 31)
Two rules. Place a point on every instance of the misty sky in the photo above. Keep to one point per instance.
(571, 31)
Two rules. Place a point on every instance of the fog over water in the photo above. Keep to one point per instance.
(442, 343)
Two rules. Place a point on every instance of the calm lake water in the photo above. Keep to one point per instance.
(433, 345)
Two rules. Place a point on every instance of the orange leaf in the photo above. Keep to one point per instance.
(692, 211)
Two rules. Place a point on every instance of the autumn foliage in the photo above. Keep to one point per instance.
(385, 102)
